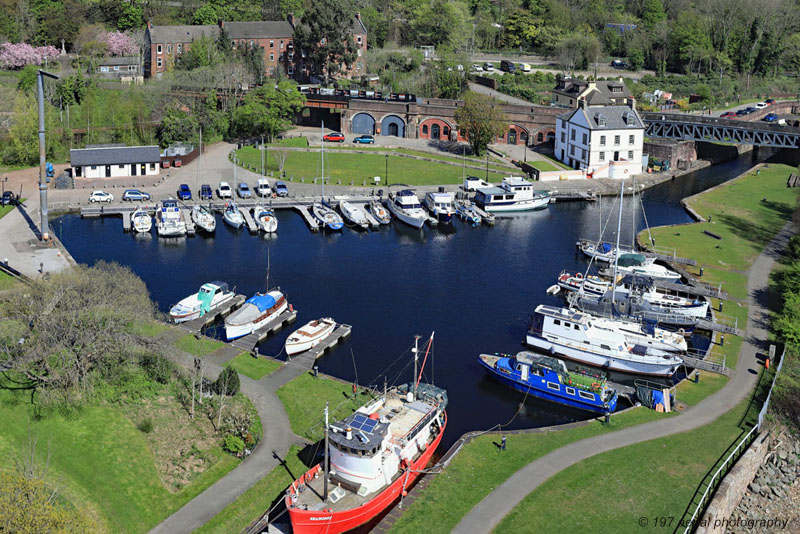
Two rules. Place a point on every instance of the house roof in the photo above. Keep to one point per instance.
(114, 155)
(608, 88)
(606, 117)
(258, 30)
(596, 98)
(124, 60)
(181, 34)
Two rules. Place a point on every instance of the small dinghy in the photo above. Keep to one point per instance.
(380, 212)
(141, 221)
(265, 219)
(204, 218)
(310, 335)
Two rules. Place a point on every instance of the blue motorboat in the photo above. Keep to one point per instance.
(547, 378)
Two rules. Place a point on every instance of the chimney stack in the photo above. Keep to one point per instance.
(358, 16)
(148, 25)
(290, 19)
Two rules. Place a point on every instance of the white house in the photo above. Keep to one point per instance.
(114, 161)
(605, 141)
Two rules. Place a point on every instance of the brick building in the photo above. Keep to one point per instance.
(274, 38)
(162, 44)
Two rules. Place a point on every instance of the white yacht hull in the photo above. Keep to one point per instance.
(142, 224)
(237, 331)
(521, 205)
(354, 215)
(297, 343)
(187, 314)
(233, 218)
(266, 221)
(403, 216)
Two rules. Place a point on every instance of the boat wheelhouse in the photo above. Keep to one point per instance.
(571, 334)
(440, 205)
(169, 220)
(405, 206)
(513, 194)
(210, 295)
(547, 378)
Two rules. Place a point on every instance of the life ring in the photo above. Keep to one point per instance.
(625, 171)
(595, 385)
(578, 276)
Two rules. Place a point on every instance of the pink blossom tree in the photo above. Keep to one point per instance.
(119, 43)
(18, 55)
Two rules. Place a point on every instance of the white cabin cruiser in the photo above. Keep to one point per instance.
(405, 206)
(204, 218)
(169, 220)
(141, 221)
(440, 205)
(639, 264)
(354, 214)
(309, 336)
(513, 194)
(256, 311)
(211, 295)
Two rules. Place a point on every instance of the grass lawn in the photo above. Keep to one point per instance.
(100, 462)
(691, 393)
(480, 467)
(347, 167)
(652, 479)
(255, 368)
(739, 216)
(254, 502)
(304, 400)
(6, 281)
(148, 329)
(198, 347)
(543, 166)
(301, 142)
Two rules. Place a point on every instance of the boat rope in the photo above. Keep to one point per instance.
(646, 224)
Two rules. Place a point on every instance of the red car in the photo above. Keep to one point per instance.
(728, 115)
(770, 101)
(334, 137)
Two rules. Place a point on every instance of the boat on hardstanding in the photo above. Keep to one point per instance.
(210, 295)
(141, 221)
(466, 211)
(354, 214)
(571, 334)
(169, 220)
(379, 212)
(309, 336)
(405, 206)
(204, 218)
(372, 457)
(513, 194)
(547, 378)
(440, 205)
(265, 219)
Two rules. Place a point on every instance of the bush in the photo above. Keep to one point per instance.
(146, 425)
(794, 247)
(157, 368)
(228, 382)
(233, 444)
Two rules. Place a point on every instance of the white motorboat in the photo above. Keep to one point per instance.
(513, 194)
(209, 297)
(466, 211)
(204, 218)
(169, 220)
(354, 214)
(405, 206)
(590, 284)
(379, 212)
(645, 334)
(603, 251)
(575, 335)
(141, 221)
(309, 336)
(641, 265)
(265, 219)
(256, 312)
(440, 205)
(233, 216)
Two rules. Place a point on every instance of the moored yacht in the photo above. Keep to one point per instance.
(204, 218)
(354, 214)
(141, 221)
(265, 219)
(466, 211)
(513, 194)
(440, 205)
(326, 217)
(232, 216)
(256, 311)
(639, 264)
(309, 336)
(379, 212)
(405, 206)
(169, 220)
(210, 295)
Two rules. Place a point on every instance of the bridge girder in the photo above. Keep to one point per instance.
(719, 130)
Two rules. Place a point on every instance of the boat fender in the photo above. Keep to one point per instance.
(355, 389)
(291, 308)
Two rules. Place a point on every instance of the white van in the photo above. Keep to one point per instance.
(473, 183)
(524, 67)
(262, 189)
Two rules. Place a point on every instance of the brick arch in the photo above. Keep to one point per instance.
(429, 127)
(516, 134)
(362, 123)
(548, 133)
(393, 124)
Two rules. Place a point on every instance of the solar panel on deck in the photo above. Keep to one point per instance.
(361, 422)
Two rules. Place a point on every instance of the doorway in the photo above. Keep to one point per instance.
(108, 171)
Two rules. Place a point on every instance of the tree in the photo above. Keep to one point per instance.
(652, 13)
(480, 120)
(267, 110)
(521, 30)
(326, 39)
(210, 13)
(30, 507)
(439, 22)
(176, 126)
(228, 382)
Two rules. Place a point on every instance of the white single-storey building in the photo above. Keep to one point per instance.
(605, 141)
(114, 161)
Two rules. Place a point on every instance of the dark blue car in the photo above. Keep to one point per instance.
(205, 192)
(184, 193)
(771, 117)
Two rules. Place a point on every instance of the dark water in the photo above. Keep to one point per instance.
(474, 286)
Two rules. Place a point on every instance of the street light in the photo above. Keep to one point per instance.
(45, 229)
(386, 174)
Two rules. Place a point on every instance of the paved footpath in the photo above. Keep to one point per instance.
(494, 507)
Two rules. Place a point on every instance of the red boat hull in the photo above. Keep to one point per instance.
(322, 522)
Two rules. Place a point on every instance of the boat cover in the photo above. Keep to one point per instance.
(630, 260)
(262, 302)
(605, 248)
(205, 298)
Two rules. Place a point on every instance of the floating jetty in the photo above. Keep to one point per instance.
(250, 341)
(313, 224)
(197, 325)
(248, 220)
(307, 358)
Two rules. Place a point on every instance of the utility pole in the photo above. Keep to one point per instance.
(45, 229)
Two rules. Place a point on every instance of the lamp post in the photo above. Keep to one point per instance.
(386, 174)
(45, 229)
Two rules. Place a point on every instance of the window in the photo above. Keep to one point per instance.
(272, 44)
(569, 390)
(616, 140)
(550, 385)
(585, 395)
(272, 57)
(583, 156)
(94, 167)
(572, 135)
(630, 155)
(563, 137)
(233, 44)
(122, 166)
(152, 166)
(251, 44)
(557, 322)
(180, 48)
(359, 39)
(103, 69)
(585, 138)
(602, 156)
(572, 150)
(116, 67)
(132, 67)
(158, 62)
(576, 327)
(281, 44)
(425, 129)
(169, 49)
(290, 71)
(630, 139)
(602, 140)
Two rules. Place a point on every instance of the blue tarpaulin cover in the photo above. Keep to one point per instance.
(262, 302)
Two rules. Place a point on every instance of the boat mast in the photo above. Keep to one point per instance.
(267, 286)
(633, 216)
(199, 156)
(616, 253)
(416, 358)
(327, 459)
(322, 144)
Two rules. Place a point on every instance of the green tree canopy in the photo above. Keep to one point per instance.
(326, 39)
(176, 126)
(480, 120)
(267, 110)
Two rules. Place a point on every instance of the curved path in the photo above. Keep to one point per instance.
(488, 513)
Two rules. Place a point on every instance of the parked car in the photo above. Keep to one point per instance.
(619, 64)
(761, 105)
(244, 190)
(262, 189)
(740, 112)
(184, 193)
(224, 190)
(460, 67)
(750, 109)
(205, 192)
(771, 117)
(101, 196)
(728, 115)
(524, 67)
(134, 194)
(364, 140)
(8, 199)
(507, 66)
(334, 137)
(281, 190)
(476, 68)
(770, 101)
(488, 67)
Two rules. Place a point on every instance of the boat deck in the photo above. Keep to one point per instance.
(310, 356)
(373, 222)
